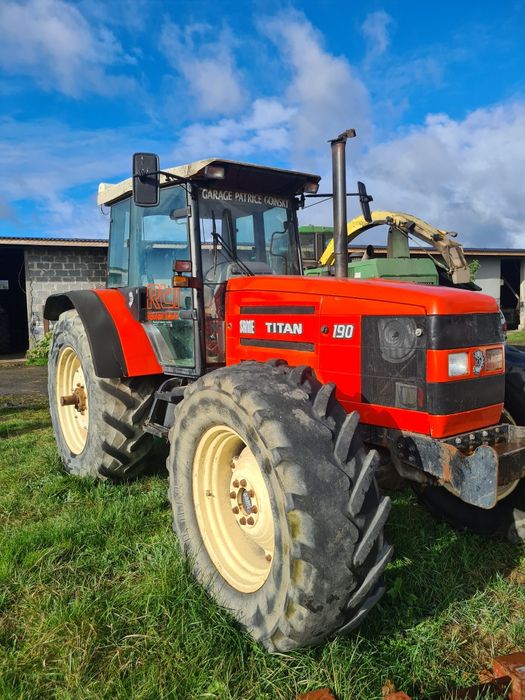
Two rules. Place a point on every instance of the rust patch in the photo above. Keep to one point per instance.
(321, 694)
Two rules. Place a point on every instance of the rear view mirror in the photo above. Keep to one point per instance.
(364, 199)
(146, 182)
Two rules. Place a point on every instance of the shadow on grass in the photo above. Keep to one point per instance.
(22, 402)
(156, 465)
(29, 427)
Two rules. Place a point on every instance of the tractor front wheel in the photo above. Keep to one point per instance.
(97, 422)
(275, 503)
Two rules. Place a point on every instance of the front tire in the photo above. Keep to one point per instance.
(101, 436)
(307, 562)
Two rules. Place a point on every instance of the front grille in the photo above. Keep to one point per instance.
(464, 331)
(465, 395)
(394, 361)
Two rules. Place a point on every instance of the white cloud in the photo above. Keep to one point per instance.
(327, 95)
(210, 74)
(375, 30)
(323, 97)
(52, 42)
(55, 170)
(464, 175)
(261, 131)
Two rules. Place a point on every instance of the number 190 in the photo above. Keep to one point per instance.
(342, 330)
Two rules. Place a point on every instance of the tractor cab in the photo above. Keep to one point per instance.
(178, 236)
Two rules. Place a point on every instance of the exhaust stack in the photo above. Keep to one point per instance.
(339, 190)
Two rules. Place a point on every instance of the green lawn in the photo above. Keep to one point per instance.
(516, 337)
(96, 603)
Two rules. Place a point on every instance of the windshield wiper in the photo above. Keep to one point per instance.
(231, 253)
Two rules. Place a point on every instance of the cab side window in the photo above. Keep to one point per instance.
(118, 257)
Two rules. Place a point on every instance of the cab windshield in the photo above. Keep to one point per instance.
(256, 230)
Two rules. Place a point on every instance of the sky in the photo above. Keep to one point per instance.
(435, 91)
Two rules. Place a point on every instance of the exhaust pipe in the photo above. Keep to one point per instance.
(339, 191)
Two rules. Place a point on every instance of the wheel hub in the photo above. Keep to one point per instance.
(244, 499)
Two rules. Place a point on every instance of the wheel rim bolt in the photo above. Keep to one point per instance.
(243, 482)
(243, 521)
(268, 557)
(236, 483)
(254, 509)
(250, 521)
(235, 510)
(233, 494)
(251, 493)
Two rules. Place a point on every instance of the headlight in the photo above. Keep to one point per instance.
(397, 338)
(457, 364)
(494, 359)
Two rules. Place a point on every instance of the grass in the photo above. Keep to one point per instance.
(95, 601)
(516, 337)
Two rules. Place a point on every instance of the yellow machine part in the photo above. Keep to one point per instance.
(451, 251)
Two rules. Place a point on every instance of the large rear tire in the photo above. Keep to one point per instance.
(102, 435)
(507, 518)
(275, 504)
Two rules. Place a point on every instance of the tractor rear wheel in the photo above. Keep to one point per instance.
(507, 518)
(275, 504)
(97, 422)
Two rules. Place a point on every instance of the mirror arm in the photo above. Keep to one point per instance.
(330, 194)
(169, 176)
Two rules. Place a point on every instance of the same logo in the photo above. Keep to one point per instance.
(479, 361)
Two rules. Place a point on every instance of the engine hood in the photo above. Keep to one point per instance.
(406, 296)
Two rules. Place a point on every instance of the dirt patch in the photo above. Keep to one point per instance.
(22, 385)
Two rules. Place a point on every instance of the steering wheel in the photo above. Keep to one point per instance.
(221, 264)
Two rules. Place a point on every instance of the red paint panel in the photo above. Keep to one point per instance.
(388, 416)
(434, 300)
(424, 423)
(136, 347)
(339, 302)
(444, 426)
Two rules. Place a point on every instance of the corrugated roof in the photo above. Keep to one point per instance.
(103, 243)
(59, 242)
(502, 252)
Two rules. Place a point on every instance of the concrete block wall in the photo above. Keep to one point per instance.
(55, 269)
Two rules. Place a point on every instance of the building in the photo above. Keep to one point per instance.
(33, 268)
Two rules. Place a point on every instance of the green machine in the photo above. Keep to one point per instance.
(398, 265)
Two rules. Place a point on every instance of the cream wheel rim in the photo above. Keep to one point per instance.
(233, 509)
(74, 419)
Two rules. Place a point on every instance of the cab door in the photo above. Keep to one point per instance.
(159, 237)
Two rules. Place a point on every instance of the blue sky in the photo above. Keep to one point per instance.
(435, 91)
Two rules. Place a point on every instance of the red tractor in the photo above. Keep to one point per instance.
(276, 392)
